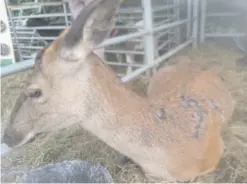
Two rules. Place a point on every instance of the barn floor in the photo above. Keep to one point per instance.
(76, 143)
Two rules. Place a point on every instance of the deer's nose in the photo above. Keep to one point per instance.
(7, 139)
(11, 137)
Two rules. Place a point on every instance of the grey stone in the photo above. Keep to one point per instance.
(74, 171)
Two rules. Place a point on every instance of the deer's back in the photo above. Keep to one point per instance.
(195, 105)
(194, 82)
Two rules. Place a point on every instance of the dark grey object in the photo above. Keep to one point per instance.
(2, 26)
(4, 49)
(75, 171)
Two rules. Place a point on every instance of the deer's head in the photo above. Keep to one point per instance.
(59, 84)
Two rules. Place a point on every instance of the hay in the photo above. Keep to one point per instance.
(76, 143)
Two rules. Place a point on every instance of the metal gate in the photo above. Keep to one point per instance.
(167, 27)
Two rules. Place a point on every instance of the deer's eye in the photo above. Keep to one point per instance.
(36, 93)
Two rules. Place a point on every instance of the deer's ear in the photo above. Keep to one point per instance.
(101, 22)
(90, 28)
(76, 6)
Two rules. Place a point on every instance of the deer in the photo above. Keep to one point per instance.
(173, 134)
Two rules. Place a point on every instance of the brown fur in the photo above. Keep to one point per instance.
(208, 90)
(173, 134)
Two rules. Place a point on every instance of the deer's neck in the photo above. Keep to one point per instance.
(112, 92)
(116, 109)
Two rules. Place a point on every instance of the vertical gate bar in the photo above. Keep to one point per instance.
(195, 23)
(65, 14)
(14, 31)
(178, 28)
(148, 25)
(170, 34)
(189, 4)
(203, 20)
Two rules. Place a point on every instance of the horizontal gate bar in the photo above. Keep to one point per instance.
(143, 69)
(225, 34)
(24, 65)
(17, 67)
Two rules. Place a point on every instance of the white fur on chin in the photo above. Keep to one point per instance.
(5, 149)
